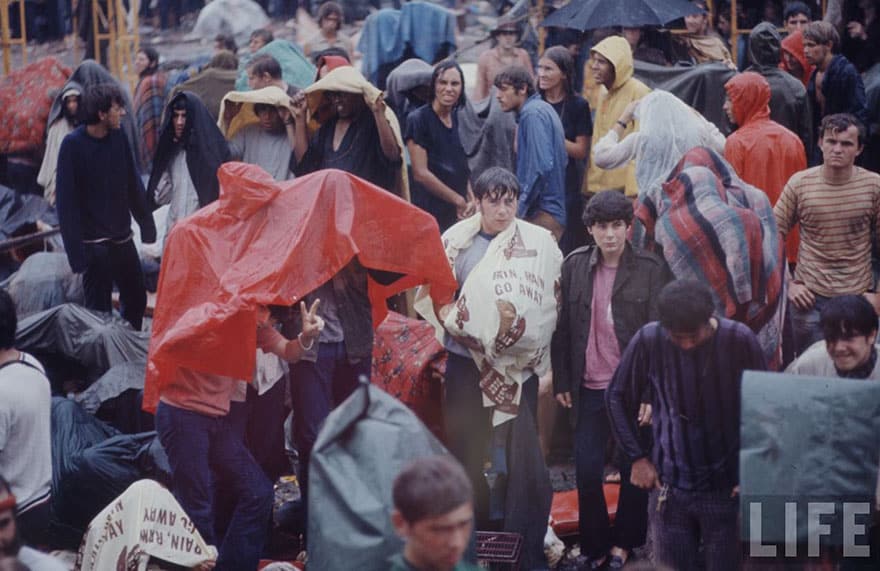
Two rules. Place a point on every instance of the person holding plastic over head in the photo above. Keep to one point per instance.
(204, 448)
(498, 334)
(668, 128)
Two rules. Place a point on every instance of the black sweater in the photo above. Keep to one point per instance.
(97, 187)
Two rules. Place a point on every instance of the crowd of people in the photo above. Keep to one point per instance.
(630, 263)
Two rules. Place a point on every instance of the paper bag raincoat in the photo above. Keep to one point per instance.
(521, 267)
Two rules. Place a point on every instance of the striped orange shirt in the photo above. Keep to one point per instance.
(836, 221)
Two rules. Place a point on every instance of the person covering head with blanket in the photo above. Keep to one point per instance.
(498, 335)
(362, 136)
(191, 148)
(713, 227)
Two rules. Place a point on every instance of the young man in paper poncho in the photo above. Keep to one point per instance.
(498, 334)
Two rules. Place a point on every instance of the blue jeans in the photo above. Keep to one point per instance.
(203, 450)
(688, 518)
(805, 324)
(630, 526)
(316, 389)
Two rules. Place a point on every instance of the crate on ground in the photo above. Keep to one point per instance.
(499, 547)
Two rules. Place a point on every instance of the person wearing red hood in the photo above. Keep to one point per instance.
(793, 59)
(763, 152)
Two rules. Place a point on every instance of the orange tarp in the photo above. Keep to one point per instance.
(264, 242)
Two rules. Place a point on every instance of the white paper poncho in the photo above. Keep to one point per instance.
(522, 267)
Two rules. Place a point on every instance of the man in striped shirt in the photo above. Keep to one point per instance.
(837, 205)
(691, 364)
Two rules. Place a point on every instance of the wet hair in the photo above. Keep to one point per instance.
(99, 99)
(560, 56)
(795, 8)
(496, 182)
(8, 320)
(840, 122)
(847, 316)
(431, 487)
(823, 33)
(328, 8)
(224, 59)
(516, 76)
(685, 305)
(438, 71)
(608, 206)
(227, 41)
(263, 34)
(264, 63)
(178, 103)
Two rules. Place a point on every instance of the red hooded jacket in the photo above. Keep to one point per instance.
(793, 45)
(763, 152)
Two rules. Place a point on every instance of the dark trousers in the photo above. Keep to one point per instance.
(33, 525)
(688, 518)
(108, 264)
(468, 424)
(316, 389)
(631, 524)
(204, 452)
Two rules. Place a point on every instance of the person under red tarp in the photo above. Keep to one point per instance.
(268, 243)
(763, 152)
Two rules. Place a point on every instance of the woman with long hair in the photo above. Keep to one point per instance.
(556, 85)
(439, 165)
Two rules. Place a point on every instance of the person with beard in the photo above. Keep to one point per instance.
(60, 128)
(191, 148)
(10, 539)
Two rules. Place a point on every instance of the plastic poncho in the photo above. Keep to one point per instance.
(264, 242)
(763, 152)
(668, 128)
(713, 227)
(522, 266)
(349, 80)
(789, 105)
(611, 105)
(793, 44)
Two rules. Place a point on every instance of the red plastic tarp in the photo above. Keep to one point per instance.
(264, 242)
(26, 97)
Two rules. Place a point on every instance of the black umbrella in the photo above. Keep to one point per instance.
(591, 14)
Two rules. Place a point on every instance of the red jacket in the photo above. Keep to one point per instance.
(763, 152)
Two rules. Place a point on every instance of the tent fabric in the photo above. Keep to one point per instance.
(347, 79)
(381, 44)
(118, 379)
(296, 69)
(364, 444)
(763, 152)
(236, 17)
(97, 341)
(713, 227)
(265, 242)
(25, 104)
(43, 281)
(144, 521)
(427, 30)
(807, 438)
(18, 210)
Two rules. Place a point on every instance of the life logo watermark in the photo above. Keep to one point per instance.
(789, 528)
